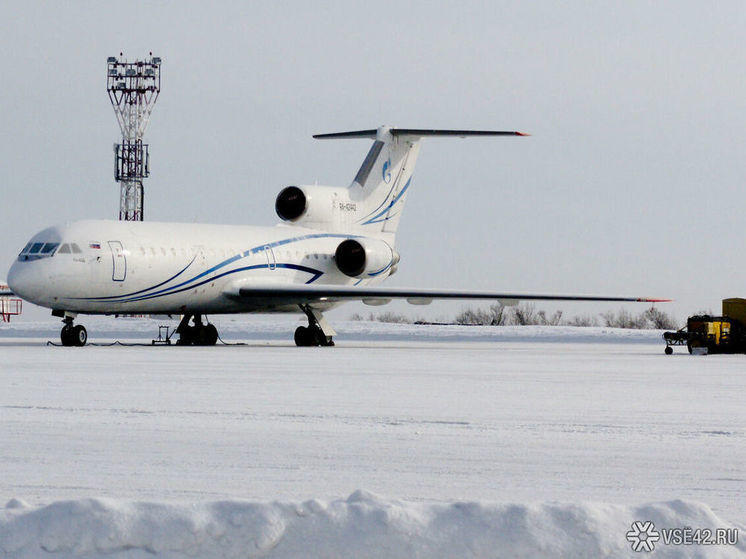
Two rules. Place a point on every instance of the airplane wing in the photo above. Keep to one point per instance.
(309, 294)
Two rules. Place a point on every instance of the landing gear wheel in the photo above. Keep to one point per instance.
(318, 332)
(668, 350)
(73, 335)
(79, 335)
(303, 336)
(208, 335)
(186, 336)
(196, 334)
(307, 336)
(66, 336)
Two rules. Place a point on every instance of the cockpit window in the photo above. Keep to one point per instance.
(35, 251)
(75, 248)
(64, 249)
(49, 248)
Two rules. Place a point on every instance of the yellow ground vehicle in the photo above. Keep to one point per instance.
(718, 334)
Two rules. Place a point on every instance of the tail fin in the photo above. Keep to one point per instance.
(380, 186)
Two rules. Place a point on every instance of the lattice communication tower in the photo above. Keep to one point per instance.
(133, 90)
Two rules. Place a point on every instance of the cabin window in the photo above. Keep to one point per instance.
(64, 249)
(25, 249)
(35, 248)
(75, 248)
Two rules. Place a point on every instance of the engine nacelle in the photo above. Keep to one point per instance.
(313, 205)
(291, 203)
(364, 257)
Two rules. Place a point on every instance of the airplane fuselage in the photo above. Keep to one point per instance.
(149, 267)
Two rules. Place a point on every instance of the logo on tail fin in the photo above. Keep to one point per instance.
(387, 171)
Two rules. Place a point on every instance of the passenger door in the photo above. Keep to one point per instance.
(271, 262)
(119, 261)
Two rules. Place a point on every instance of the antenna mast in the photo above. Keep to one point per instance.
(133, 90)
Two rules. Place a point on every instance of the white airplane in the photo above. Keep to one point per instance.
(336, 245)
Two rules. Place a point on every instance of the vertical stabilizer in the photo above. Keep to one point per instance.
(381, 184)
(383, 180)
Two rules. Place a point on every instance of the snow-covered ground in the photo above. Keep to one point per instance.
(185, 450)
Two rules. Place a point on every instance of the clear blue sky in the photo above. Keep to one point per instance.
(632, 183)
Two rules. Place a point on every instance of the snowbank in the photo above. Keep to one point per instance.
(363, 525)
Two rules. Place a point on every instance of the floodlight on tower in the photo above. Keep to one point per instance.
(133, 90)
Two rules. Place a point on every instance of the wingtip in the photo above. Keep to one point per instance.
(651, 300)
(522, 134)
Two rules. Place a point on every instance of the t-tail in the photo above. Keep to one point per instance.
(379, 189)
(372, 205)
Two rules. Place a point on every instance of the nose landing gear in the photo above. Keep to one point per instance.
(72, 335)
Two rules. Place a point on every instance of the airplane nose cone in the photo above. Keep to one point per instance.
(13, 277)
(19, 280)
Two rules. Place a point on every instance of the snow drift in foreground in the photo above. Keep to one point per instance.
(363, 525)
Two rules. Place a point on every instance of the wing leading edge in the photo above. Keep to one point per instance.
(309, 294)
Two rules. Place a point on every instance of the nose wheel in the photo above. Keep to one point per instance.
(73, 335)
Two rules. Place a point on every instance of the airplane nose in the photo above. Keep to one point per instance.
(18, 280)
(13, 277)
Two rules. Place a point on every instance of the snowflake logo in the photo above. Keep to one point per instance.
(643, 536)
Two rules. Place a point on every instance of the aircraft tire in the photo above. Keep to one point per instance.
(208, 335)
(302, 336)
(66, 336)
(79, 335)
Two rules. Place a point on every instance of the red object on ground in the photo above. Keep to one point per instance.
(10, 307)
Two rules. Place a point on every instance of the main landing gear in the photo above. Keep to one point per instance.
(197, 333)
(318, 332)
(72, 335)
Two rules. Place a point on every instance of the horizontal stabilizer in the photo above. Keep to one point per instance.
(309, 294)
(418, 132)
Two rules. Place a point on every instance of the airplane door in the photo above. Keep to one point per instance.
(119, 260)
(271, 262)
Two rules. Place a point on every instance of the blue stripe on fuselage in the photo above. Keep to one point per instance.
(127, 297)
(316, 275)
